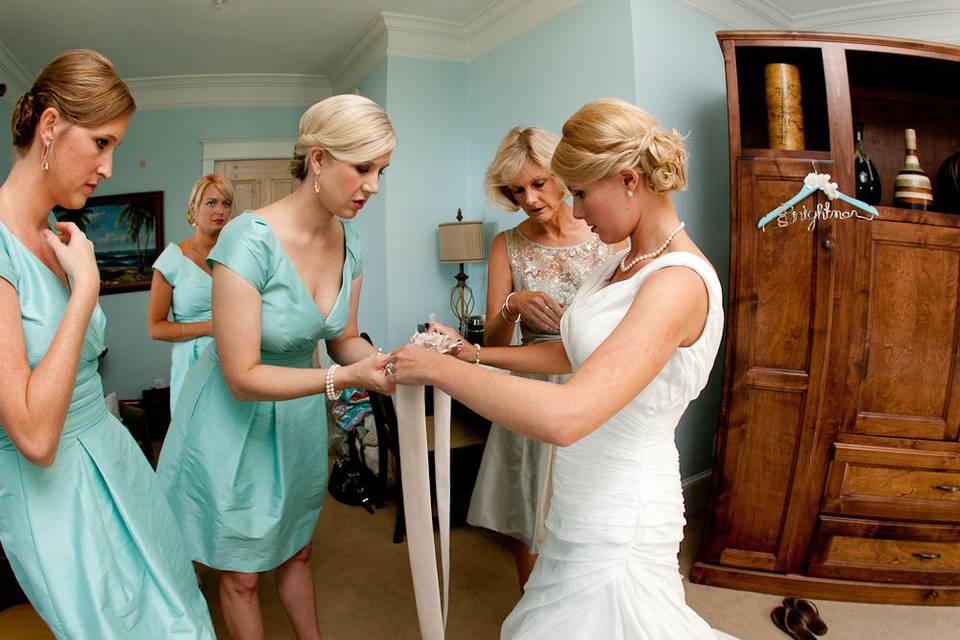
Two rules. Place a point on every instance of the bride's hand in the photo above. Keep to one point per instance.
(411, 364)
(460, 352)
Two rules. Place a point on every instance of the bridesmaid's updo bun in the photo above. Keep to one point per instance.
(607, 136)
(349, 127)
(81, 85)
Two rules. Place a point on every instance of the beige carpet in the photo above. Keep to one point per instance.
(363, 590)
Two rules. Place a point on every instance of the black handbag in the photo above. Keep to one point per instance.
(351, 482)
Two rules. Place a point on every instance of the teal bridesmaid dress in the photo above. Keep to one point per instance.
(191, 303)
(90, 538)
(247, 479)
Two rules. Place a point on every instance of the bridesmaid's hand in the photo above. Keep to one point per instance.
(370, 373)
(411, 364)
(76, 257)
(539, 311)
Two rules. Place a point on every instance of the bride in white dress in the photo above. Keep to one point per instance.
(640, 337)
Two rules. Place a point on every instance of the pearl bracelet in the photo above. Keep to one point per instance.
(476, 361)
(331, 393)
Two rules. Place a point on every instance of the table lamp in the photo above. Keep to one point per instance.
(461, 242)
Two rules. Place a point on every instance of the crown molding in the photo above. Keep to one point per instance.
(228, 90)
(369, 49)
(937, 20)
(398, 34)
(505, 20)
(741, 14)
(874, 12)
(14, 75)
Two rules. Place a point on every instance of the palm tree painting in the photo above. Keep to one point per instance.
(140, 222)
(80, 217)
(127, 235)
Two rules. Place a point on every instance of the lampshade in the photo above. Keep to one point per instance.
(461, 242)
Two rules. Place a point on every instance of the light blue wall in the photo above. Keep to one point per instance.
(169, 141)
(373, 315)
(680, 79)
(541, 78)
(427, 102)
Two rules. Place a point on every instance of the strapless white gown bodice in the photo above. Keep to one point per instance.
(608, 567)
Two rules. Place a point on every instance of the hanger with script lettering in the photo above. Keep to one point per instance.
(817, 182)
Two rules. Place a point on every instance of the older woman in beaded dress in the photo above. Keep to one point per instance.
(533, 272)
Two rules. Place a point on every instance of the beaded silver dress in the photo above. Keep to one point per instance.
(513, 487)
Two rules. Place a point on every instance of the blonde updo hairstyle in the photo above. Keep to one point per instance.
(224, 186)
(518, 147)
(349, 127)
(81, 85)
(607, 136)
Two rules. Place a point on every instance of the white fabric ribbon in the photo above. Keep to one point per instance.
(418, 514)
(432, 603)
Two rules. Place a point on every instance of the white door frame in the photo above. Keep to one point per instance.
(244, 149)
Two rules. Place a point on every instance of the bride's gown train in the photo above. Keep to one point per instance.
(608, 568)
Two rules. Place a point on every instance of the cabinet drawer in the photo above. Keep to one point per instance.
(896, 483)
(908, 553)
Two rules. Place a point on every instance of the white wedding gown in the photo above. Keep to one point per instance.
(608, 568)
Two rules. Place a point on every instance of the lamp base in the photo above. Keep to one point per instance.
(461, 300)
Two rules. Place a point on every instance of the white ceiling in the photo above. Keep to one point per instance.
(317, 43)
(180, 37)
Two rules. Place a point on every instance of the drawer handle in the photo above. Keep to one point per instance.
(927, 556)
(947, 488)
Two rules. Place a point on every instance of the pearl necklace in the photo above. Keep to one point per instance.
(626, 266)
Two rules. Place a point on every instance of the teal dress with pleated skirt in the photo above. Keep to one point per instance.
(90, 538)
(190, 303)
(247, 479)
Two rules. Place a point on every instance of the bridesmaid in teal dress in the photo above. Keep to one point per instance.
(83, 519)
(245, 461)
(182, 279)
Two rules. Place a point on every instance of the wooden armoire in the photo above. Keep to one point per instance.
(837, 471)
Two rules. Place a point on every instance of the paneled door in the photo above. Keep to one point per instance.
(257, 182)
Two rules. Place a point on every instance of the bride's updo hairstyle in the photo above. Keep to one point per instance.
(607, 136)
(349, 127)
(81, 85)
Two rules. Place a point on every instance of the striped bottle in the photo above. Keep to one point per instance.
(912, 189)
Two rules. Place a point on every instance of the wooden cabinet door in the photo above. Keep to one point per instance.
(904, 358)
(781, 280)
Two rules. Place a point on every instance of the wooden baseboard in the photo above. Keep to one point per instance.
(824, 588)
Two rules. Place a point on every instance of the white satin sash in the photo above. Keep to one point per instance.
(412, 428)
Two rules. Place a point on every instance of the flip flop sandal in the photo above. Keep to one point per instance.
(810, 613)
(791, 623)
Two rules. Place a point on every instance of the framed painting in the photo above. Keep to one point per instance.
(127, 234)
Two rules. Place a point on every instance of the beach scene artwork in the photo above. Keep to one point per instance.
(127, 234)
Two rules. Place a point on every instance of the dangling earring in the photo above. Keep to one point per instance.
(629, 193)
(43, 158)
(316, 183)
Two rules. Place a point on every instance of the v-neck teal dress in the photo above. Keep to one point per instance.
(90, 538)
(191, 303)
(247, 479)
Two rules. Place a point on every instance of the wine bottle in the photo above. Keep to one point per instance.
(912, 188)
(868, 180)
